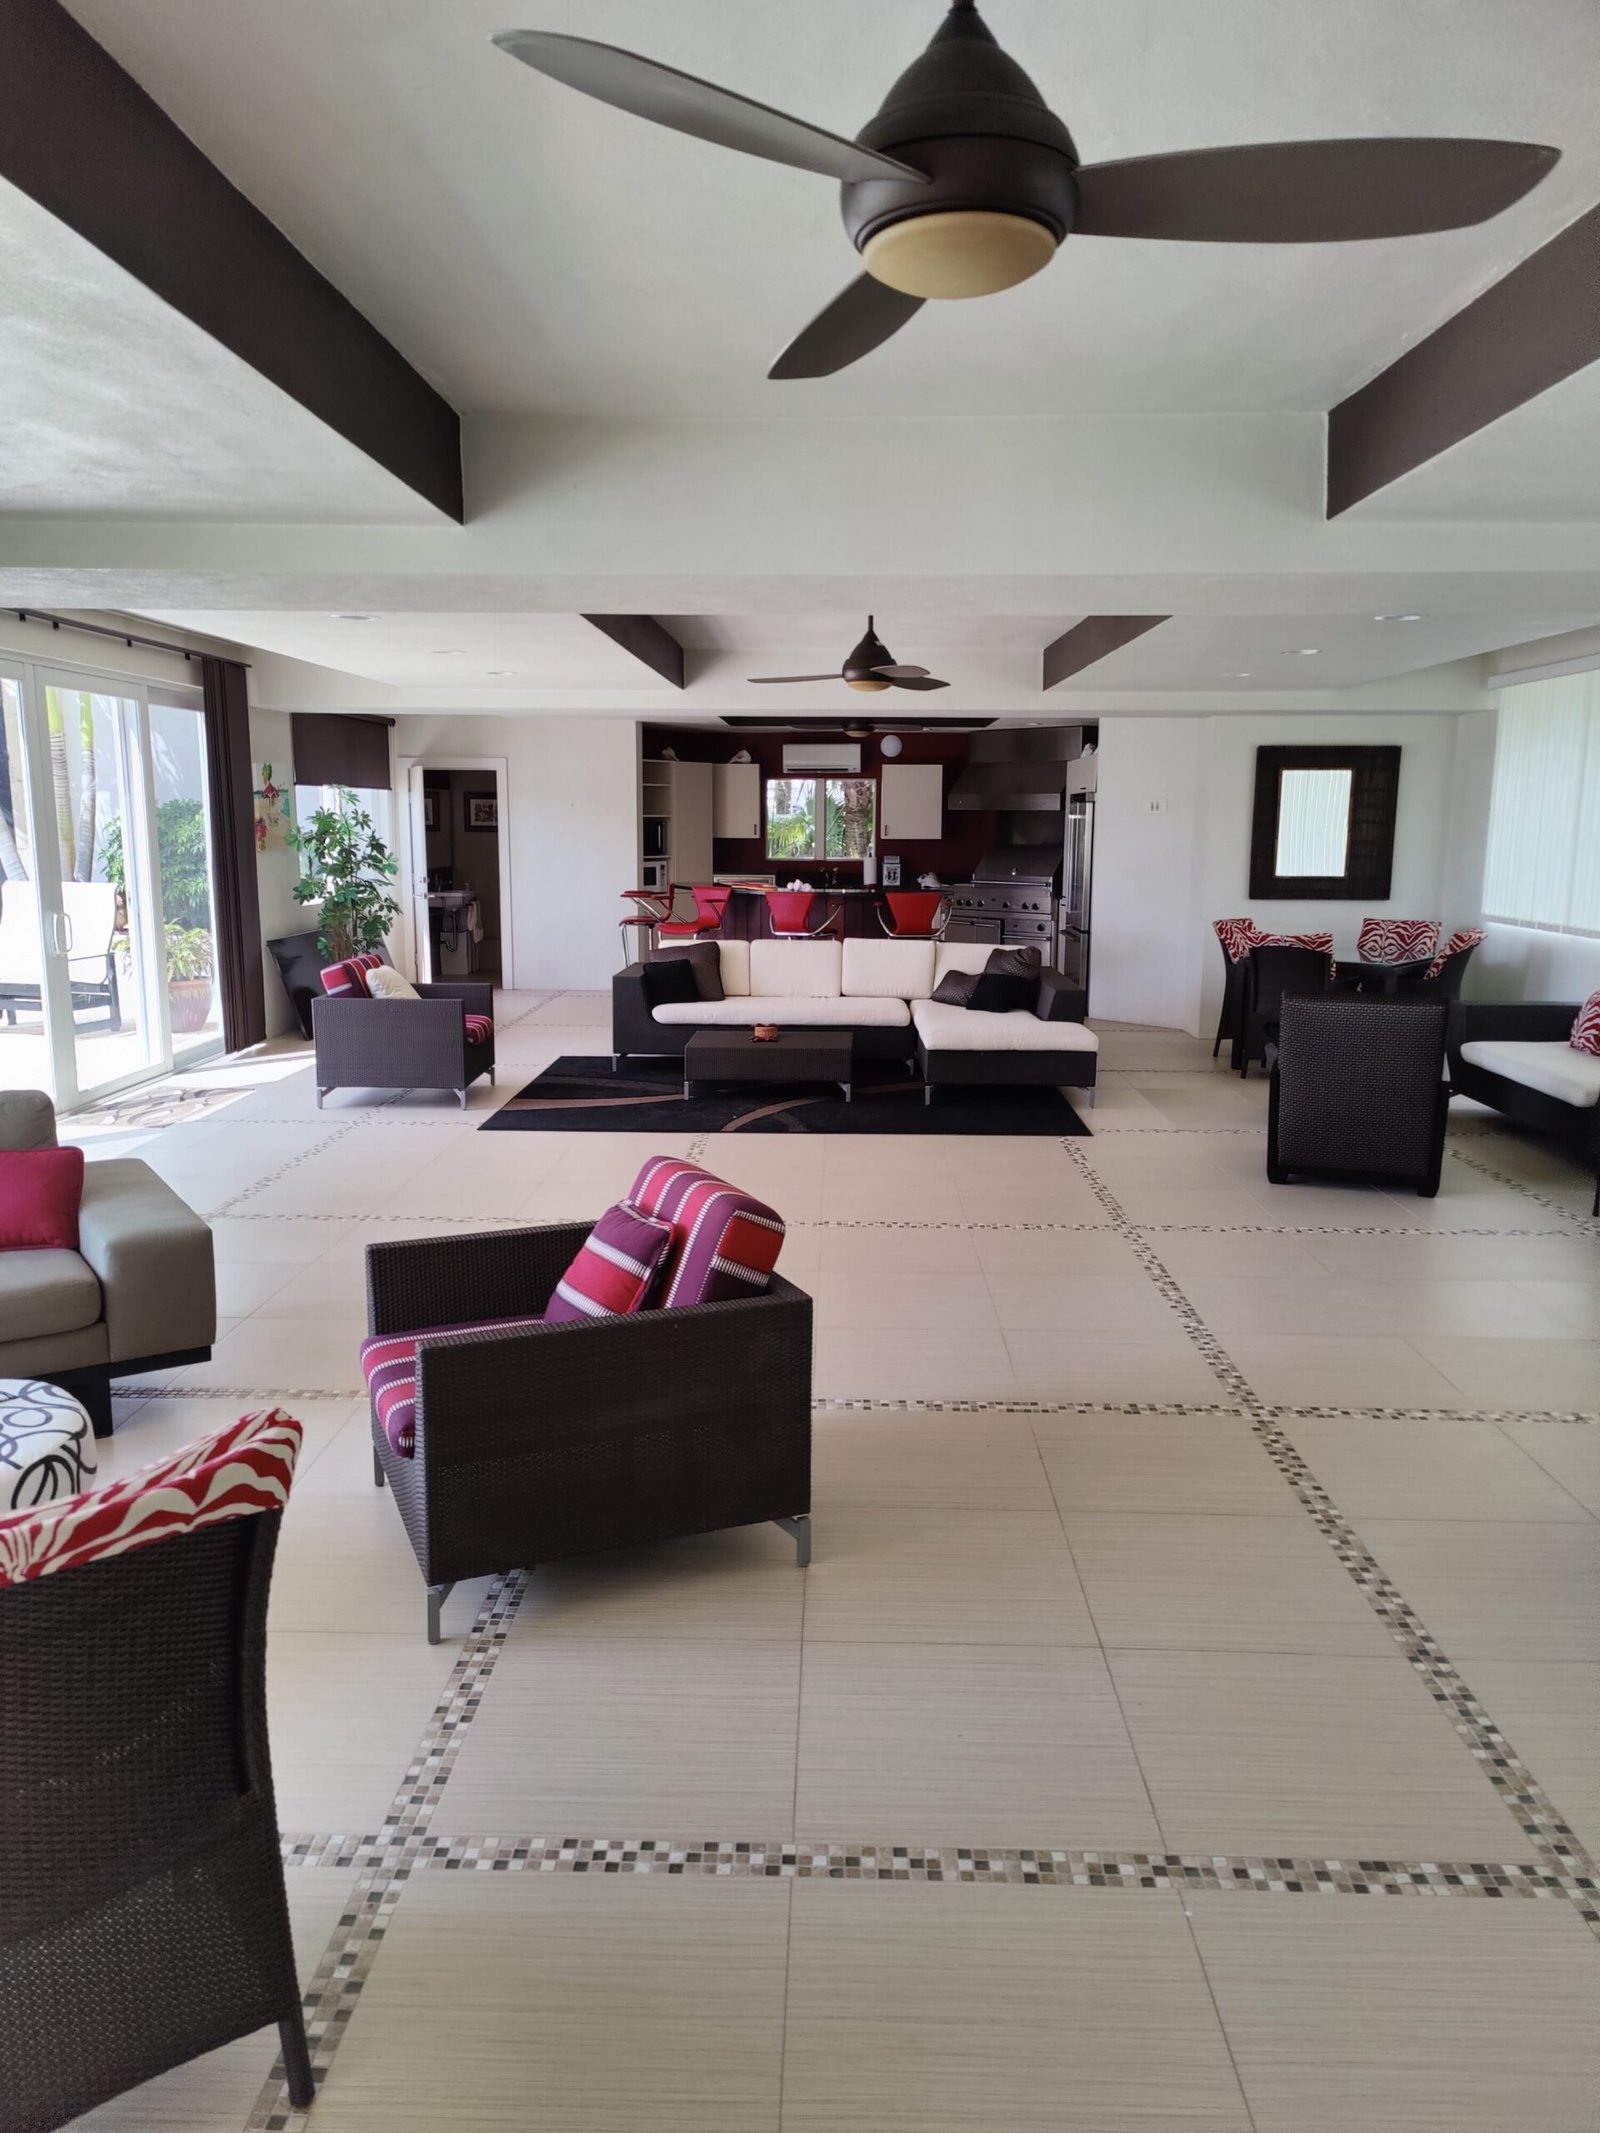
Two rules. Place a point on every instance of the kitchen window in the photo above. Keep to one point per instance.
(821, 818)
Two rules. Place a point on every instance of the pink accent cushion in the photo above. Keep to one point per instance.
(616, 1267)
(1397, 940)
(480, 1028)
(725, 1242)
(241, 1470)
(1324, 941)
(1459, 942)
(41, 1190)
(389, 1365)
(1586, 1030)
(348, 980)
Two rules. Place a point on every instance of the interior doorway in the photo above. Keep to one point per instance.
(459, 878)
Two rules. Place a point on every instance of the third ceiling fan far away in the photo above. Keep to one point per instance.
(965, 182)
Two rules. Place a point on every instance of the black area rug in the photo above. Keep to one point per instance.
(646, 1096)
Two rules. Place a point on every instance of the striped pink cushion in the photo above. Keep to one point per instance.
(389, 1365)
(348, 980)
(616, 1267)
(1586, 1030)
(480, 1028)
(725, 1242)
(1324, 941)
(241, 1470)
(1237, 935)
(1397, 940)
(1459, 942)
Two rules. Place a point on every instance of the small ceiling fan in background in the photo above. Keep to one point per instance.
(966, 182)
(870, 666)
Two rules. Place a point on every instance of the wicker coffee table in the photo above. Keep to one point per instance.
(793, 1055)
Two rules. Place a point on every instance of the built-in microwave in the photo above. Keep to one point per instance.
(653, 837)
(653, 874)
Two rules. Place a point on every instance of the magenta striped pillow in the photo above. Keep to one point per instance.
(615, 1270)
(480, 1028)
(348, 980)
(725, 1241)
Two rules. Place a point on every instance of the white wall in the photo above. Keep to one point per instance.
(1172, 850)
(569, 815)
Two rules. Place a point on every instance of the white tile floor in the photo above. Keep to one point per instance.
(1037, 1623)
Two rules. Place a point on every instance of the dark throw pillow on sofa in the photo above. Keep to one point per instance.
(1013, 963)
(703, 959)
(996, 994)
(954, 989)
(669, 981)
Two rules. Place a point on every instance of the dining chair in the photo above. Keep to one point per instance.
(1274, 974)
(789, 914)
(651, 907)
(914, 914)
(1236, 937)
(1398, 940)
(710, 904)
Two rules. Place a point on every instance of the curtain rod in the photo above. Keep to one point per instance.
(97, 629)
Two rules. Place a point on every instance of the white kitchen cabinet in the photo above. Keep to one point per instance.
(911, 803)
(736, 799)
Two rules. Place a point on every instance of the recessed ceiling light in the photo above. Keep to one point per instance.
(1238, 674)
(499, 673)
(351, 618)
(449, 652)
(1397, 618)
(1306, 651)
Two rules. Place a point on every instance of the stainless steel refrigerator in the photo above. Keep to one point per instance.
(1077, 876)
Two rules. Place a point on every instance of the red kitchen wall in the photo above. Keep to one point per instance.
(966, 836)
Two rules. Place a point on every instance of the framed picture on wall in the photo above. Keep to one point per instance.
(430, 810)
(480, 810)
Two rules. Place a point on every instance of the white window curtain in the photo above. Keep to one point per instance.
(1543, 862)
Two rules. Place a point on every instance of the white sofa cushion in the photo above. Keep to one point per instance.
(964, 1029)
(795, 970)
(787, 1011)
(898, 970)
(1553, 1068)
(734, 956)
(959, 955)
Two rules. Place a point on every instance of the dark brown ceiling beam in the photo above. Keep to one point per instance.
(80, 137)
(647, 640)
(1094, 638)
(1537, 325)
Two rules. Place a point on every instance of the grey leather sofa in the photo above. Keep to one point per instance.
(138, 1294)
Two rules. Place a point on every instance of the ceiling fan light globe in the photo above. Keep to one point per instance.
(868, 683)
(964, 252)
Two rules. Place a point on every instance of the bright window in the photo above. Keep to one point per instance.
(821, 818)
(1543, 861)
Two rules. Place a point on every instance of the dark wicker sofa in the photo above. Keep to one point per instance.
(1523, 1022)
(562, 1439)
(404, 1044)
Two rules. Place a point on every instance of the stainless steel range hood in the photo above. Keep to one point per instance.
(1017, 769)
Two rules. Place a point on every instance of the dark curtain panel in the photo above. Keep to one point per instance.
(240, 973)
(341, 751)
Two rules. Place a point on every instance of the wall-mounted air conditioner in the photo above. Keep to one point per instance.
(802, 758)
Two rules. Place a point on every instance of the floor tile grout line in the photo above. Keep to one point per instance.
(1584, 1222)
(1222, 2027)
(1530, 1453)
(1525, 1799)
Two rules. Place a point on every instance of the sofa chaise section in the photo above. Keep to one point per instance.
(1515, 1057)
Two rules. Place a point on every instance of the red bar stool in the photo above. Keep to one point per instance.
(651, 906)
(788, 913)
(915, 914)
(710, 903)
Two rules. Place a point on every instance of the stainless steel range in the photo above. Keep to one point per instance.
(1031, 888)
(1013, 899)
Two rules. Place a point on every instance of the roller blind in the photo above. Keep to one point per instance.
(331, 750)
(1542, 867)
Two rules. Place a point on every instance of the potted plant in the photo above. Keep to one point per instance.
(347, 871)
(191, 967)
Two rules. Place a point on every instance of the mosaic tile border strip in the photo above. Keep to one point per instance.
(335, 1989)
(1580, 1219)
(1040, 1866)
(1555, 1844)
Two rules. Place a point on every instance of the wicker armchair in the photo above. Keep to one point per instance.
(404, 1044)
(1359, 1090)
(142, 1911)
(562, 1439)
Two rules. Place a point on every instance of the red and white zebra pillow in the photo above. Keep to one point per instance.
(1397, 940)
(1586, 1030)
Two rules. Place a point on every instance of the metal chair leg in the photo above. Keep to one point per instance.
(437, 1595)
(799, 1527)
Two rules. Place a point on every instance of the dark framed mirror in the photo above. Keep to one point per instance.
(1323, 824)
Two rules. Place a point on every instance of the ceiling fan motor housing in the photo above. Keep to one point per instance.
(869, 653)
(1001, 191)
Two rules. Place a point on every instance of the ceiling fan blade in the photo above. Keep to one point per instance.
(834, 676)
(1308, 192)
(858, 320)
(682, 101)
(896, 672)
(926, 682)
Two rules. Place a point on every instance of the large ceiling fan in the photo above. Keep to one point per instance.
(966, 182)
(870, 666)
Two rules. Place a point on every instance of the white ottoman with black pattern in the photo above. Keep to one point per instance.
(46, 1444)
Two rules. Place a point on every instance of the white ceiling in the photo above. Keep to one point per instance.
(534, 251)
(113, 403)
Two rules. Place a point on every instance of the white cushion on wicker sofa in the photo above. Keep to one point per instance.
(787, 1010)
(943, 1028)
(802, 970)
(734, 957)
(1551, 1067)
(887, 969)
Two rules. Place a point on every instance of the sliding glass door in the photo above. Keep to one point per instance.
(105, 884)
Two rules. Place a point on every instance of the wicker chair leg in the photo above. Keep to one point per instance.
(377, 1469)
(297, 2060)
(320, 1094)
(800, 1528)
(437, 1595)
(927, 1094)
